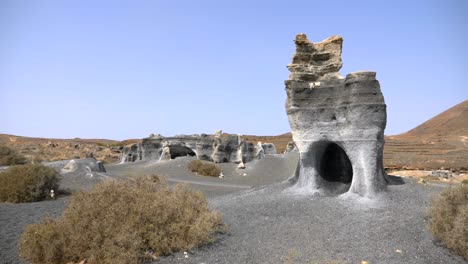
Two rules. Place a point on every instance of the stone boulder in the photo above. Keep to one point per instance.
(269, 149)
(337, 123)
(442, 174)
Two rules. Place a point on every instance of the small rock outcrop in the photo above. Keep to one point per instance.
(217, 148)
(290, 147)
(442, 174)
(337, 123)
(79, 174)
(88, 165)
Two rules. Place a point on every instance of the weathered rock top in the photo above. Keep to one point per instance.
(316, 61)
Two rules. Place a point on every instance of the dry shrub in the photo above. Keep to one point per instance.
(431, 178)
(204, 168)
(194, 165)
(449, 219)
(123, 222)
(27, 183)
(10, 157)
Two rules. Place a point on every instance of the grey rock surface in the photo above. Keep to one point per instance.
(337, 123)
(218, 148)
(442, 174)
(79, 174)
(269, 148)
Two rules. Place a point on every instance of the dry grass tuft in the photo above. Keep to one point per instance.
(449, 219)
(27, 183)
(10, 157)
(204, 168)
(123, 222)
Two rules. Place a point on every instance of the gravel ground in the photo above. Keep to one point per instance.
(274, 225)
(13, 219)
(269, 222)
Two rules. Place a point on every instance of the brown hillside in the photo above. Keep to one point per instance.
(452, 122)
(280, 141)
(440, 142)
(52, 149)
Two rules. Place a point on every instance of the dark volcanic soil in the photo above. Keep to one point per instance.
(13, 219)
(274, 224)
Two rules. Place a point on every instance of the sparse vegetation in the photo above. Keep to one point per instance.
(27, 183)
(10, 157)
(449, 219)
(204, 168)
(430, 178)
(123, 222)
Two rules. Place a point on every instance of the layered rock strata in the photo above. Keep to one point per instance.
(217, 148)
(337, 123)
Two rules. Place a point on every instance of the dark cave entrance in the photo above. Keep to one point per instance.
(181, 151)
(335, 165)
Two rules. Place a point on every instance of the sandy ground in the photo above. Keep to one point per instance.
(269, 222)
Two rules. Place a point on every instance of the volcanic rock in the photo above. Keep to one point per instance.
(290, 147)
(337, 123)
(217, 148)
(79, 174)
(442, 174)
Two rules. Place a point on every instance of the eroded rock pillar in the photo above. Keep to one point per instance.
(335, 121)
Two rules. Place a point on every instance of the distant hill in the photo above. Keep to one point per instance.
(439, 142)
(452, 122)
(442, 141)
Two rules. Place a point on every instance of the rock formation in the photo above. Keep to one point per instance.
(337, 123)
(88, 165)
(269, 148)
(290, 147)
(79, 174)
(217, 148)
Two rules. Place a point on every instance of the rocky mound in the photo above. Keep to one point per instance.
(79, 174)
(218, 148)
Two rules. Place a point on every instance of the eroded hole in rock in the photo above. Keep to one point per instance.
(181, 151)
(335, 165)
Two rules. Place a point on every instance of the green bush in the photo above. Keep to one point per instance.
(204, 168)
(127, 221)
(10, 157)
(27, 183)
(449, 219)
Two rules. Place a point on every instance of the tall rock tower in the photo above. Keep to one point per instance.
(337, 123)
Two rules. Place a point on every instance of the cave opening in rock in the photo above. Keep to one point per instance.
(181, 151)
(335, 165)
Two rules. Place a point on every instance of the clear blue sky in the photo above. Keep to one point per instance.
(125, 69)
